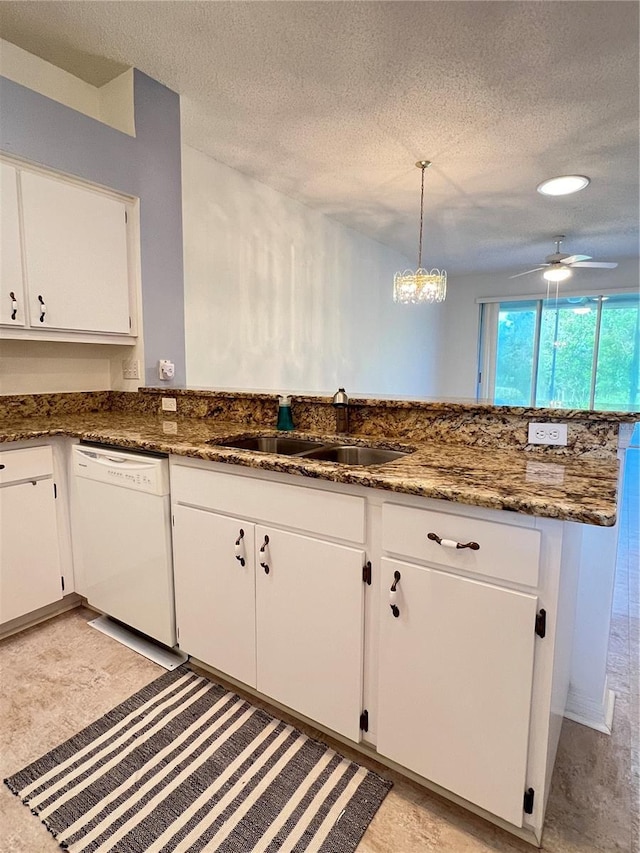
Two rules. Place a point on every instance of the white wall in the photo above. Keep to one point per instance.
(458, 365)
(39, 367)
(278, 296)
(111, 104)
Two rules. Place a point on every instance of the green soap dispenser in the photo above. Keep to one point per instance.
(285, 421)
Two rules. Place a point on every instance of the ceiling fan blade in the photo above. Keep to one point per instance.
(527, 272)
(572, 259)
(602, 265)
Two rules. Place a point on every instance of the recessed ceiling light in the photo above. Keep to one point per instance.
(564, 185)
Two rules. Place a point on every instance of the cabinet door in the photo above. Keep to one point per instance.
(455, 684)
(215, 592)
(309, 610)
(76, 252)
(11, 281)
(29, 557)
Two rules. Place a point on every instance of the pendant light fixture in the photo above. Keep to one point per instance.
(422, 285)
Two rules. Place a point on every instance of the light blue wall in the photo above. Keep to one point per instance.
(50, 134)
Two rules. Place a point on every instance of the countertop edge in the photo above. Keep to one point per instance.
(359, 476)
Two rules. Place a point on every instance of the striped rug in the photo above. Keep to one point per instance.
(184, 765)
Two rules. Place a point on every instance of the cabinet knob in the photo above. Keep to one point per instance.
(451, 543)
(14, 305)
(393, 594)
(43, 308)
(263, 555)
(240, 548)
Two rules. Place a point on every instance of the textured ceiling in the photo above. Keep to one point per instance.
(333, 102)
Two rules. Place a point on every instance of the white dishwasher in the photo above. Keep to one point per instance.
(123, 523)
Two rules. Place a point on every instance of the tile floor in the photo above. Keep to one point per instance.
(59, 676)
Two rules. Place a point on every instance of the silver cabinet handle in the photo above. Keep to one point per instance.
(14, 305)
(43, 308)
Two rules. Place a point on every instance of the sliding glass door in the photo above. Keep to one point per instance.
(579, 352)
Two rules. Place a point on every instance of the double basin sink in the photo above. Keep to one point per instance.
(346, 454)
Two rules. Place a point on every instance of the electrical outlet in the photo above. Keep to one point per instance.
(547, 433)
(131, 368)
(166, 369)
(169, 404)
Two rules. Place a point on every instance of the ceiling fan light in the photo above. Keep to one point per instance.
(563, 185)
(557, 274)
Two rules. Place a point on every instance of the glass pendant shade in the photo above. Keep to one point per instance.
(421, 285)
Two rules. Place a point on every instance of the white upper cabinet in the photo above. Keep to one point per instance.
(67, 259)
(76, 252)
(11, 278)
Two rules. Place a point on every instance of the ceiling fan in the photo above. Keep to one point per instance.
(558, 265)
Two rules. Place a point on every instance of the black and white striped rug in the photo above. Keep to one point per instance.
(184, 765)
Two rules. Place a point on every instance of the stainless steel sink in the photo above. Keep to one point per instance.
(271, 444)
(349, 455)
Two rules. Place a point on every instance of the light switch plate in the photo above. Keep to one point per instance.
(169, 404)
(131, 368)
(547, 433)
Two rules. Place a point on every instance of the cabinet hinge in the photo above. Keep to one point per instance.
(364, 721)
(126, 218)
(366, 573)
(129, 322)
(62, 582)
(173, 520)
(55, 491)
(529, 795)
(541, 623)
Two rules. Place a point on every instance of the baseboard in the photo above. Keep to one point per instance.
(595, 714)
(14, 626)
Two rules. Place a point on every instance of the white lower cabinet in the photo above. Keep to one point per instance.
(309, 608)
(455, 669)
(280, 611)
(215, 591)
(30, 575)
(463, 668)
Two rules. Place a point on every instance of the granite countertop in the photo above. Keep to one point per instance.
(571, 489)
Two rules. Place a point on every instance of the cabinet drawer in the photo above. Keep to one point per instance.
(506, 551)
(326, 514)
(26, 464)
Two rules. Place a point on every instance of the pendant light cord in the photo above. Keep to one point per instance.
(421, 216)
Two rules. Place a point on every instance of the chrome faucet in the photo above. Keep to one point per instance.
(341, 403)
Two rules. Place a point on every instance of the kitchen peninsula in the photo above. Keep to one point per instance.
(421, 610)
(471, 453)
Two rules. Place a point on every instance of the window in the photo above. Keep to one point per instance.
(578, 352)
